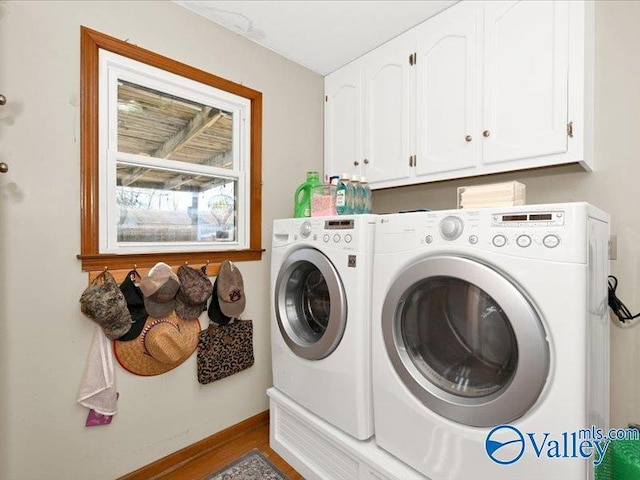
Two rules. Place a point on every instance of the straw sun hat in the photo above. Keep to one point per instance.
(163, 345)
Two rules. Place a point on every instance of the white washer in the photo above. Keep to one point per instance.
(491, 317)
(320, 331)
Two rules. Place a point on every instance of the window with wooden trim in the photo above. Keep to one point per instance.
(171, 160)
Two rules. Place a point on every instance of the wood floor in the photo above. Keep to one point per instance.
(221, 456)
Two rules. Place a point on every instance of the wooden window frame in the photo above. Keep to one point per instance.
(90, 43)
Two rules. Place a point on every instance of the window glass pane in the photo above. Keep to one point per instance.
(157, 205)
(160, 125)
(458, 337)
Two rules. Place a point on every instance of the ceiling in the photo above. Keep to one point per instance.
(320, 35)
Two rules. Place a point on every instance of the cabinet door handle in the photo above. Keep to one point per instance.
(468, 138)
(366, 161)
(4, 168)
(356, 163)
(3, 100)
(411, 161)
(486, 133)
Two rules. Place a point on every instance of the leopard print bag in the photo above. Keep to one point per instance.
(224, 350)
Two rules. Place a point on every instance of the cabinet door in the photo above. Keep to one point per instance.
(446, 89)
(525, 79)
(343, 121)
(387, 104)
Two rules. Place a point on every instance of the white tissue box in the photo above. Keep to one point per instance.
(504, 194)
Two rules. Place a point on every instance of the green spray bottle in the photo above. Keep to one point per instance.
(302, 197)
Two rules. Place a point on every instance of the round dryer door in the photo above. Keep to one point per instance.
(465, 341)
(310, 303)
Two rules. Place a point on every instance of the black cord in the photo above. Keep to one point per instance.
(615, 304)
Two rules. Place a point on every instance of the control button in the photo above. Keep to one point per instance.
(451, 228)
(499, 240)
(348, 238)
(473, 239)
(326, 237)
(336, 238)
(428, 239)
(523, 241)
(551, 241)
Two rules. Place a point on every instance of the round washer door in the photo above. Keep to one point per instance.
(310, 303)
(465, 341)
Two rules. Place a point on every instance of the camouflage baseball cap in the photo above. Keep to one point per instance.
(103, 302)
(195, 289)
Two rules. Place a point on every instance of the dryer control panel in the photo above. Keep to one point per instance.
(526, 229)
(550, 231)
(534, 219)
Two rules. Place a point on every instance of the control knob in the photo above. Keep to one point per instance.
(305, 229)
(451, 227)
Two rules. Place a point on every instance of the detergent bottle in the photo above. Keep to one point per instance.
(365, 191)
(353, 196)
(343, 190)
(302, 197)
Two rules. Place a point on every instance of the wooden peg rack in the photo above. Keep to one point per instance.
(121, 275)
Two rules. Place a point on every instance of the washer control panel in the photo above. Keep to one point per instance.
(337, 232)
(346, 224)
(347, 233)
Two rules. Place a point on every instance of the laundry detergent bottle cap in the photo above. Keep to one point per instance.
(302, 197)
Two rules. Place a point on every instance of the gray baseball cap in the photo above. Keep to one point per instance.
(159, 288)
(231, 290)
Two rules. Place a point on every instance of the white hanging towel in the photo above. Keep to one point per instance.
(98, 383)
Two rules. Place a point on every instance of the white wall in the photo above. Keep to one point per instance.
(614, 186)
(44, 338)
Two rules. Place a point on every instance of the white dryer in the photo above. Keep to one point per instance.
(321, 305)
(490, 340)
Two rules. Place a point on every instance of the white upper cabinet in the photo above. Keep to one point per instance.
(446, 93)
(367, 118)
(386, 112)
(526, 51)
(343, 118)
(481, 88)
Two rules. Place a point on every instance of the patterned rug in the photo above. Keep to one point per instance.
(252, 466)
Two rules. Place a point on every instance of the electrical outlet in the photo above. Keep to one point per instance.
(613, 247)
